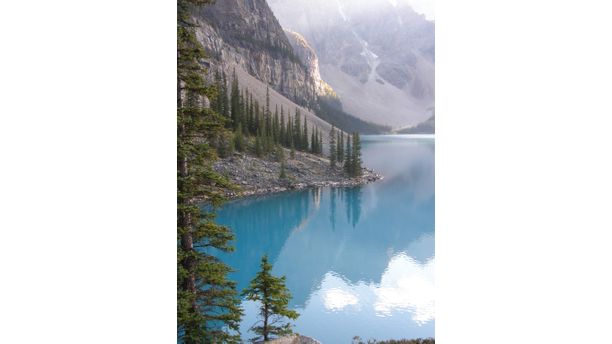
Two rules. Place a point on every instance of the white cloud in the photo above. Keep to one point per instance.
(425, 7)
(407, 285)
(336, 299)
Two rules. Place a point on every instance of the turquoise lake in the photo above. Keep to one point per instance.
(358, 261)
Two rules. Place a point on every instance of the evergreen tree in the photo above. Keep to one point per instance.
(297, 130)
(313, 142)
(290, 142)
(217, 103)
(340, 147)
(244, 105)
(256, 118)
(282, 139)
(348, 165)
(225, 99)
(283, 173)
(274, 297)
(208, 307)
(239, 139)
(276, 127)
(333, 152)
(304, 139)
(356, 169)
(320, 145)
(267, 100)
(235, 101)
(252, 120)
(259, 145)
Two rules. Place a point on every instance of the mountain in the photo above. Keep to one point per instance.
(425, 127)
(377, 55)
(244, 36)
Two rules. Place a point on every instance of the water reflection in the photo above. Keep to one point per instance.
(358, 261)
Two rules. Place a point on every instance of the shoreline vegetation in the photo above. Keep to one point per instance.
(262, 176)
(228, 146)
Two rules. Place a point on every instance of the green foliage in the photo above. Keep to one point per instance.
(239, 139)
(352, 156)
(225, 144)
(340, 147)
(333, 152)
(208, 307)
(259, 146)
(269, 129)
(356, 169)
(274, 297)
(348, 164)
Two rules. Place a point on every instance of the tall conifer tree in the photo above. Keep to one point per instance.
(356, 169)
(348, 164)
(208, 307)
(273, 297)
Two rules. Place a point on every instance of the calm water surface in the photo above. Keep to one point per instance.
(358, 261)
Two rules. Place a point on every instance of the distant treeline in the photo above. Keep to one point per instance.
(330, 110)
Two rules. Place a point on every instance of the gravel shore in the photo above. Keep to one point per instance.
(259, 176)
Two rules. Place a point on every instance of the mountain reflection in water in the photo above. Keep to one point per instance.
(358, 261)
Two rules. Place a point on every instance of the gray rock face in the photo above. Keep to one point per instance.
(309, 58)
(378, 57)
(246, 33)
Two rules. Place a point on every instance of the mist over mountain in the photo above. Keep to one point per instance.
(377, 55)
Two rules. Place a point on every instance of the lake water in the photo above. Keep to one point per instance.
(358, 261)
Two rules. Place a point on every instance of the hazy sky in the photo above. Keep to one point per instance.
(423, 6)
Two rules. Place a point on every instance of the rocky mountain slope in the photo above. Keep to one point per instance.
(245, 36)
(377, 55)
(246, 33)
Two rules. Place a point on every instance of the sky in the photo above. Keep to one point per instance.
(425, 7)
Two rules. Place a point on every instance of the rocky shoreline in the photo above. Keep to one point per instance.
(259, 176)
(292, 339)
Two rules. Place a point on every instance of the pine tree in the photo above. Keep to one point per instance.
(281, 135)
(276, 127)
(274, 297)
(259, 145)
(297, 130)
(225, 99)
(290, 142)
(239, 139)
(304, 139)
(313, 142)
(201, 278)
(252, 120)
(333, 153)
(320, 145)
(283, 173)
(244, 105)
(235, 101)
(340, 154)
(267, 100)
(356, 168)
(348, 164)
